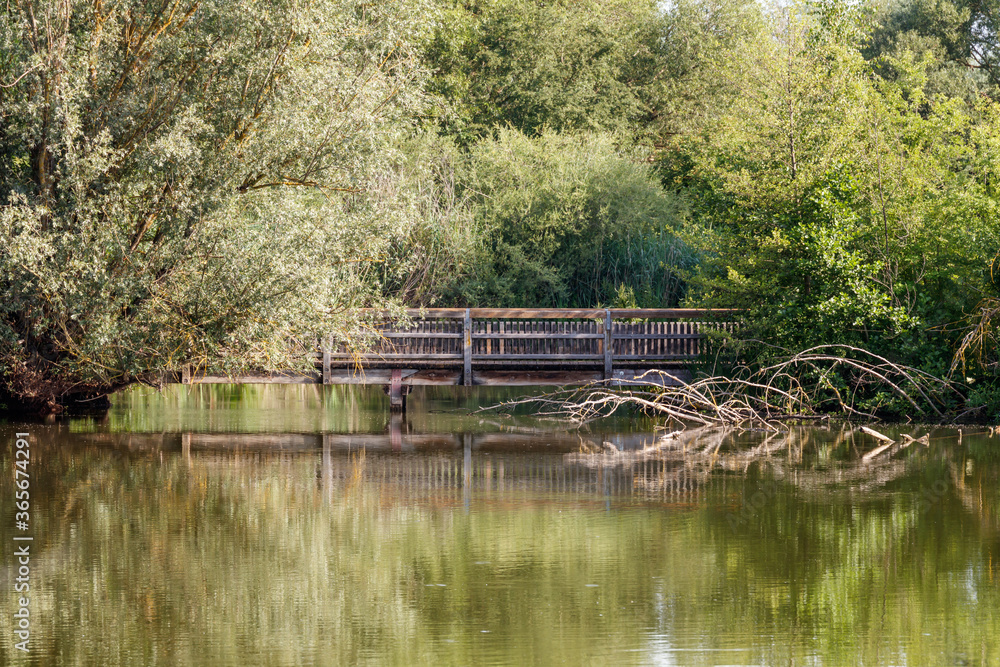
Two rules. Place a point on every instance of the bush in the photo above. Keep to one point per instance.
(569, 221)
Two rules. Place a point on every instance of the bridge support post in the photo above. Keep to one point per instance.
(608, 342)
(467, 349)
(396, 432)
(467, 471)
(397, 393)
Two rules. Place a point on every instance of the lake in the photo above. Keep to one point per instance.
(302, 525)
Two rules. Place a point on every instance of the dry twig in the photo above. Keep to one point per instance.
(799, 387)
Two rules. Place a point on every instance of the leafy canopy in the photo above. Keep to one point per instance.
(183, 181)
(568, 220)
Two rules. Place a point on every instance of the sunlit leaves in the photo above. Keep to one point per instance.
(186, 182)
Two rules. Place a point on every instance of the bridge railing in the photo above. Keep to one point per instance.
(490, 338)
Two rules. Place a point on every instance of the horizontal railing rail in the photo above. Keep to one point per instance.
(555, 313)
(492, 338)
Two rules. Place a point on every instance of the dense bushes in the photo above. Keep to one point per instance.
(830, 168)
(559, 220)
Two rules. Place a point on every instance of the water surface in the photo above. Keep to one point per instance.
(304, 526)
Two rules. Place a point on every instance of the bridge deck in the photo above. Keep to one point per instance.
(488, 346)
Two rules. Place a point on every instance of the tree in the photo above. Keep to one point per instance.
(845, 207)
(184, 182)
(689, 57)
(570, 221)
(962, 34)
(924, 30)
(434, 236)
(531, 65)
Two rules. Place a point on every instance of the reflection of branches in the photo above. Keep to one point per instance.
(694, 455)
(859, 478)
(677, 446)
(825, 378)
(975, 487)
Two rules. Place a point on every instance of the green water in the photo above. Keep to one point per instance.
(293, 526)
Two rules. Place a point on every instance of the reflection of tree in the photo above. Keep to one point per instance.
(332, 557)
(314, 408)
(242, 554)
(864, 558)
(977, 487)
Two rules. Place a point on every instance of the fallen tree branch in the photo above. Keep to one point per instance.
(799, 387)
(875, 434)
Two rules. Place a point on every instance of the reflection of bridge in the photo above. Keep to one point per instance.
(443, 464)
(501, 472)
(486, 346)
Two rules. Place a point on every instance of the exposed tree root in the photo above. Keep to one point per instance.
(27, 389)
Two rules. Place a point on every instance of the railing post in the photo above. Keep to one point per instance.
(608, 341)
(467, 349)
(327, 379)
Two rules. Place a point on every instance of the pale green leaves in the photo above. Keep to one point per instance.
(186, 181)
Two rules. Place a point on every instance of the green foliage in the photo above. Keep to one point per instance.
(531, 65)
(434, 237)
(923, 31)
(182, 182)
(693, 59)
(567, 220)
(839, 206)
(962, 35)
(188, 183)
(632, 67)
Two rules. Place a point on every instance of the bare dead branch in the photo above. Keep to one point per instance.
(798, 387)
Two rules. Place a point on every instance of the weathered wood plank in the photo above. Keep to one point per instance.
(608, 344)
(537, 313)
(655, 336)
(490, 378)
(670, 313)
(397, 355)
(557, 313)
(275, 378)
(537, 356)
(420, 334)
(640, 357)
(537, 335)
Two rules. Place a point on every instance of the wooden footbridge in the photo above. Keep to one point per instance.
(490, 346)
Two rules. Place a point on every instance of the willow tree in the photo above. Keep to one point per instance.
(182, 181)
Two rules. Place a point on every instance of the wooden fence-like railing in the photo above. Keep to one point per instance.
(491, 339)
